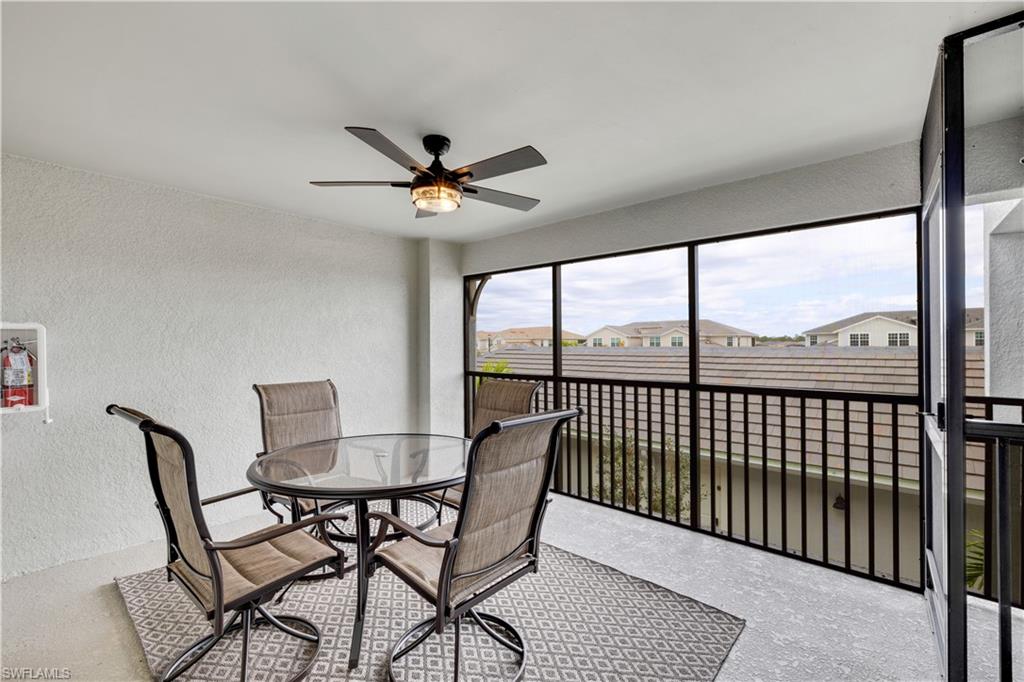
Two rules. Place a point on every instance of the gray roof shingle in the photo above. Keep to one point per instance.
(973, 317)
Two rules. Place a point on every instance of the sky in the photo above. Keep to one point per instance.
(772, 285)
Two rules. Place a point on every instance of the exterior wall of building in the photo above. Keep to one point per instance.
(823, 339)
(666, 339)
(878, 330)
(738, 341)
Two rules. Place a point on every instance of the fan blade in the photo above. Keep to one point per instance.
(493, 196)
(386, 147)
(509, 162)
(359, 183)
(420, 213)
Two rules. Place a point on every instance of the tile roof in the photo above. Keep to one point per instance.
(973, 317)
(662, 327)
(528, 333)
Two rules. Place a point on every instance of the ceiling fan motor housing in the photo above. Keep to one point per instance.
(436, 145)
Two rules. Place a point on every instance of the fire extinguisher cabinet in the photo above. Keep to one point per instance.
(23, 354)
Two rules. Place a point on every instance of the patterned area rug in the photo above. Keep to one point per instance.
(581, 621)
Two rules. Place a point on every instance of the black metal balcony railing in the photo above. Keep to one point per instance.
(827, 477)
(1004, 410)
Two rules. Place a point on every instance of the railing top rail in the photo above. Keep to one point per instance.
(813, 394)
(992, 430)
(995, 401)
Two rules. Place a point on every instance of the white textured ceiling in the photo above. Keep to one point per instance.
(627, 102)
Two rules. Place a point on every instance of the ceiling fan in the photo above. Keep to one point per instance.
(436, 189)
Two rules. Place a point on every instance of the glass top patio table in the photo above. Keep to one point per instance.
(373, 466)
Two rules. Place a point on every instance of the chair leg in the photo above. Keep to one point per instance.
(496, 628)
(245, 620)
(246, 631)
(458, 647)
(199, 648)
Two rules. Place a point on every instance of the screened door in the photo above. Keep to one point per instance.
(943, 368)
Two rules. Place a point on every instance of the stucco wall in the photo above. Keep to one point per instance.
(176, 304)
(440, 345)
(873, 181)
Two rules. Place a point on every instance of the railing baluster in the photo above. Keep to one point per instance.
(871, 488)
(764, 469)
(650, 473)
(600, 441)
(625, 449)
(713, 461)
(895, 493)
(590, 446)
(803, 477)
(636, 448)
(989, 511)
(579, 444)
(678, 467)
(782, 471)
(661, 404)
(746, 467)
(728, 461)
(1005, 572)
(824, 481)
(846, 484)
(564, 400)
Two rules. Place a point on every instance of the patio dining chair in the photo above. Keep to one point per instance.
(236, 577)
(495, 399)
(295, 414)
(306, 412)
(494, 541)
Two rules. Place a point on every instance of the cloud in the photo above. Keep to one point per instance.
(774, 284)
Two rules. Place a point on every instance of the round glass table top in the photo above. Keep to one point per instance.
(371, 466)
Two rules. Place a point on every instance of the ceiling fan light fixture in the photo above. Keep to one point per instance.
(437, 196)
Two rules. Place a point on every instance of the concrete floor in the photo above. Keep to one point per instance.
(803, 622)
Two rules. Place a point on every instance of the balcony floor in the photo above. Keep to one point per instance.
(804, 622)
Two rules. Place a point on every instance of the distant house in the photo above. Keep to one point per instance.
(484, 342)
(893, 328)
(522, 336)
(666, 333)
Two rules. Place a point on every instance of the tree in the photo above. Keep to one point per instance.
(494, 367)
(620, 456)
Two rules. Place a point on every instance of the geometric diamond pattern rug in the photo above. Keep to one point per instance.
(581, 621)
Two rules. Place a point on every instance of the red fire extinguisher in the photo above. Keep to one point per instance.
(18, 375)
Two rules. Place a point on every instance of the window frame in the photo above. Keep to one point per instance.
(863, 339)
(899, 338)
(979, 335)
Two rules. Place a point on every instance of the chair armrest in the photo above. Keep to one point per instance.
(228, 496)
(274, 531)
(407, 528)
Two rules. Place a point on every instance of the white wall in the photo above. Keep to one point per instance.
(441, 342)
(175, 304)
(873, 181)
(877, 329)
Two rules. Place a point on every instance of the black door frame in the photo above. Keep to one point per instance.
(951, 74)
